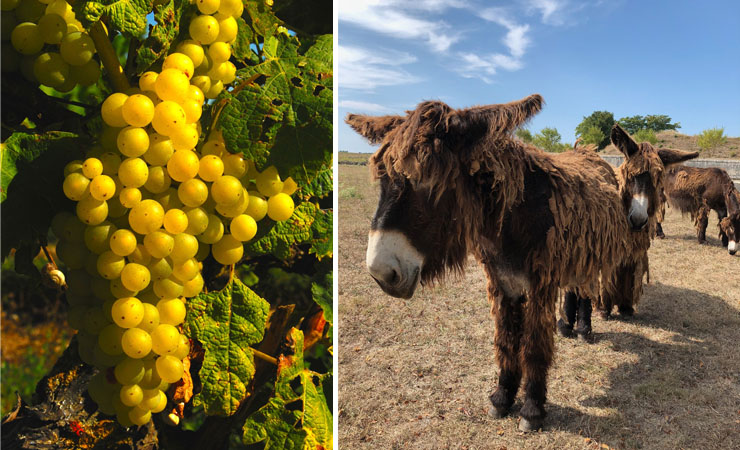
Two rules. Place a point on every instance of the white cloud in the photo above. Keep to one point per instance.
(402, 19)
(552, 11)
(365, 70)
(359, 106)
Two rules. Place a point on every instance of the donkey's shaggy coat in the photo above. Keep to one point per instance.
(455, 182)
(697, 190)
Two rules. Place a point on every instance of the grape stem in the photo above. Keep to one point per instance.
(72, 102)
(264, 356)
(108, 57)
(49, 257)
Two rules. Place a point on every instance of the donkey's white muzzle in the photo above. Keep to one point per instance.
(393, 262)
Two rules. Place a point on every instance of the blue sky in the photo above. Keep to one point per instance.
(680, 58)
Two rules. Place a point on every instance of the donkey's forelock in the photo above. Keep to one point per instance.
(435, 143)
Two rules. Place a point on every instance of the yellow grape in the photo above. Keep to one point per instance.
(243, 227)
(52, 28)
(185, 138)
(193, 287)
(171, 311)
(202, 82)
(289, 186)
(27, 39)
(152, 399)
(227, 28)
(193, 109)
(167, 288)
(110, 265)
(77, 48)
(147, 81)
(219, 52)
(197, 220)
(196, 93)
(138, 110)
(211, 167)
(146, 217)
(228, 250)
(208, 6)
(51, 70)
(135, 277)
(72, 167)
(91, 211)
(160, 150)
(183, 165)
(186, 247)
(112, 110)
(165, 339)
(129, 371)
(172, 85)
(268, 182)
(129, 197)
(214, 231)
(76, 186)
(169, 368)
(234, 165)
(136, 343)
(131, 395)
(175, 220)
(192, 192)
(280, 207)
(228, 72)
(133, 172)
(213, 147)
(102, 187)
(236, 208)
(193, 50)
(127, 312)
(215, 89)
(111, 162)
(133, 141)
(183, 348)
(97, 237)
(168, 117)
(231, 7)
(227, 190)
(150, 321)
(123, 242)
(139, 416)
(158, 181)
(92, 167)
(180, 62)
(159, 244)
(186, 270)
(204, 29)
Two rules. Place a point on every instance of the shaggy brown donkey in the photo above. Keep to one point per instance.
(456, 182)
(640, 183)
(696, 191)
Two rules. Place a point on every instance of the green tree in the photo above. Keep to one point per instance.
(645, 135)
(593, 135)
(548, 139)
(603, 120)
(632, 124)
(660, 122)
(525, 135)
(711, 138)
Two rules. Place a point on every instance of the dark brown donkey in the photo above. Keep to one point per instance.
(455, 182)
(696, 191)
(640, 183)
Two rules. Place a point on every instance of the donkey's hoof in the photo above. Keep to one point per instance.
(527, 426)
(564, 329)
(661, 235)
(627, 312)
(585, 336)
(498, 413)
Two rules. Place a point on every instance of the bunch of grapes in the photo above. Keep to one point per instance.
(211, 34)
(152, 203)
(48, 44)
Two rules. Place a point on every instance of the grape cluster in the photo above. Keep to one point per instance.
(211, 34)
(152, 203)
(47, 44)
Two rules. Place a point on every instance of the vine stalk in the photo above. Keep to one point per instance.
(108, 57)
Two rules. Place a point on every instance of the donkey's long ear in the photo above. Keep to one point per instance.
(623, 141)
(670, 156)
(501, 119)
(373, 128)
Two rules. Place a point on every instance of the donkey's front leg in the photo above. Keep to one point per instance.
(568, 316)
(583, 329)
(507, 313)
(537, 352)
(702, 220)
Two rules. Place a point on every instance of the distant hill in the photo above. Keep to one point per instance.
(674, 139)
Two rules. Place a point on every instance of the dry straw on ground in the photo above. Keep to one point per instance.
(417, 373)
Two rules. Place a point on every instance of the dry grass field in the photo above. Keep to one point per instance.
(417, 373)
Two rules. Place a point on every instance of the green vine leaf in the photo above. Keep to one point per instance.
(162, 34)
(30, 184)
(307, 224)
(297, 416)
(127, 16)
(286, 119)
(226, 323)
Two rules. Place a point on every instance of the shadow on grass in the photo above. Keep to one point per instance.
(682, 389)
